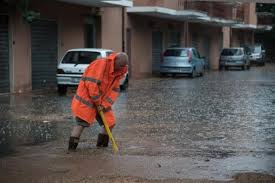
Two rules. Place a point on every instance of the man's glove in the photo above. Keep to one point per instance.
(99, 108)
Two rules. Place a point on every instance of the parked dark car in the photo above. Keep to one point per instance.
(234, 57)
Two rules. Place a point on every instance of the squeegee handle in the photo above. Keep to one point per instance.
(114, 145)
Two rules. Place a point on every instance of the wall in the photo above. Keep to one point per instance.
(235, 40)
(21, 65)
(226, 37)
(250, 16)
(174, 4)
(70, 19)
(141, 43)
(112, 28)
(214, 36)
(141, 47)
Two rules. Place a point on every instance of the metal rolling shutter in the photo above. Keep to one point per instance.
(195, 41)
(4, 55)
(156, 51)
(44, 54)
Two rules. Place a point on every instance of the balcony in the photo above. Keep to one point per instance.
(213, 9)
(101, 3)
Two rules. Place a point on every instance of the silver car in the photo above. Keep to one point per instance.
(182, 61)
(257, 55)
(234, 57)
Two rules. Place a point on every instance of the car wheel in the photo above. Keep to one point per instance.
(225, 67)
(243, 67)
(62, 89)
(193, 74)
(173, 75)
(202, 72)
(248, 67)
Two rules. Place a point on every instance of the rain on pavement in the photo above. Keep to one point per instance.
(212, 128)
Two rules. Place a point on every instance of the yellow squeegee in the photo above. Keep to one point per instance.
(114, 145)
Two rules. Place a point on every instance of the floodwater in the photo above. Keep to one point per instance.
(219, 127)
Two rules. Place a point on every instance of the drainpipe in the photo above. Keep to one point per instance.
(123, 29)
(186, 34)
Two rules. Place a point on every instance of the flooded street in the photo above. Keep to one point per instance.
(219, 127)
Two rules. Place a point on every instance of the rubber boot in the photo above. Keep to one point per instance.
(102, 140)
(73, 142)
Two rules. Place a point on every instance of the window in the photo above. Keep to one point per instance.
(196, 53)
(232, 52)
(108, 53)
(80, 57)
(176, 53)
(257, 49)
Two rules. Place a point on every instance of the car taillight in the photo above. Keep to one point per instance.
(60, 71)
(189, 56)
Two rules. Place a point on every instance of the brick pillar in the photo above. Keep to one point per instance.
(226, 37)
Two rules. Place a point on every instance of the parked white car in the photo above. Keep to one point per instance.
(74, 63)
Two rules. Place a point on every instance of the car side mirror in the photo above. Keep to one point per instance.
(263, 51)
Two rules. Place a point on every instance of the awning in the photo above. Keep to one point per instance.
(101, 3)
(192, 16)
(214, 21)
(252, 27)
(166, 13)
(181, 15)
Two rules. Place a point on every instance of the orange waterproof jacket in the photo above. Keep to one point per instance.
(99, 85)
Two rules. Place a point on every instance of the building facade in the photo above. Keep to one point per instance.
(30, 49)
(208, 26)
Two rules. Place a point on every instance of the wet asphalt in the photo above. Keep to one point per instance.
(209, 127)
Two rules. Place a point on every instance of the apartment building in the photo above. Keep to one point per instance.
(155, 25)
(31, 48)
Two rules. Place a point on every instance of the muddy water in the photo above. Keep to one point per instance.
(212, 127)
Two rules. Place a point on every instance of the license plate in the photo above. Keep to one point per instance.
(75, 80)
(174, 70)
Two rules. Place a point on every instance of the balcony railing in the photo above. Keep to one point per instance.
(215, 9)
(240, 13)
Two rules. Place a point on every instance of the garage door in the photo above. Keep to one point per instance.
(174, 39)
(156, 51)
(4, 55)
(44, 54)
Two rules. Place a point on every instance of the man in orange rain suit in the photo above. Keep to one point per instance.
(97, 90)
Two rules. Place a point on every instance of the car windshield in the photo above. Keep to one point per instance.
(231, 52)
(80, 57)
(176, 53)
(109, 53)
(257, 49)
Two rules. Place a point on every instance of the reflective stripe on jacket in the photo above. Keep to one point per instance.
(99, 86)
